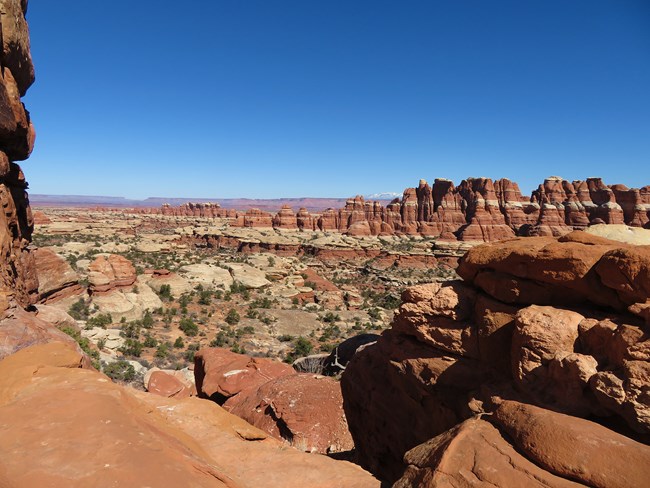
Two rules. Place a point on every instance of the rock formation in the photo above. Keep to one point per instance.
(477, 210)
(18, 281)
(107, 273)
(555, 326)
(56, 278)
(93, 432)
(272, 396)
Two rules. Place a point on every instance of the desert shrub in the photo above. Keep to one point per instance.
(178, 343)
(191, 351)
(165, 293)
(132, 347)
(150, 341)
(120, 371)
(188, 326)
(101, 320)
(232, 317)
(163, 351)
(220, 340)
(205, 297)
(330, 317)
(147, 320)
(79, 310)
(263, 302)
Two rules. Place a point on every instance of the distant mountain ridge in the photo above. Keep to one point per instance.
(268, 204)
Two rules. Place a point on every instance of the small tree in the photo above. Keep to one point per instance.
(120, 371)
(188, 326)
(233, 317)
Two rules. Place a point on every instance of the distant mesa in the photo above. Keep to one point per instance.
(477, 210)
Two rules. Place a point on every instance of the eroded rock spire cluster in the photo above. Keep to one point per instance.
(478, 209)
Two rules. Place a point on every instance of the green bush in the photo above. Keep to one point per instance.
(79, 310)
(178, 343)
(132, 347)
(147, 320)
(165, 293)
(232, 317)
(188, 327)
(101, 320)
(120, 371)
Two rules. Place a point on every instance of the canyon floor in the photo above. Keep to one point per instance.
(188, 282)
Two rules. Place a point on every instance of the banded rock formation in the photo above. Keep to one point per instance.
(477, 210)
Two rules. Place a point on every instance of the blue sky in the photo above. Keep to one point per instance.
(288, 98)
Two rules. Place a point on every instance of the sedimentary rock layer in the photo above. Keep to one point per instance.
(478, 209)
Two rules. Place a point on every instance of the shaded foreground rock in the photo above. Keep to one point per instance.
(92, 432)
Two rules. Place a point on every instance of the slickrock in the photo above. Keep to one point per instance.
(207, 275)
(473, 454)
(20, 329)
(56, 278)
(304, 410)
(92, 432)
(110, 272)
(575, 448)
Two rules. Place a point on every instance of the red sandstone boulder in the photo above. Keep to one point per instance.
(167, 385)
(474, 454)
(440, 315)
(56, 278)
(106, 273)
(546, 271)
(221, 374)
(398, 393)
(575, 448)
(305, 410)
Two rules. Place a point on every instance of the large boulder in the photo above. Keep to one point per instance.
(304, 410)
(399, 393)
(474, 454)
(20, 329)
(574, 448)
(110, 272)
(458, 349)
(56, 278)
(578, 268)
(220, 374)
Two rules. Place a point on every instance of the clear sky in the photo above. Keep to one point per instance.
(288, 98)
